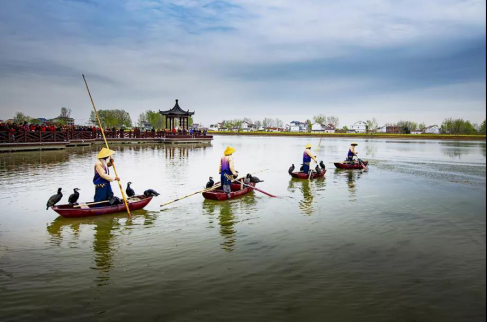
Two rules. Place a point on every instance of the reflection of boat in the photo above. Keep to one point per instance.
(302, 175)
(238, 190)
(350, 166)
(73, 211)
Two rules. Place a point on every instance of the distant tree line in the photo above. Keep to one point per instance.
(112, 118)
(460, 126)
(61, 119)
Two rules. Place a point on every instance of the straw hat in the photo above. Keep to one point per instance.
(229, 151)
(105, 153)
(354, 144)
(308, 146)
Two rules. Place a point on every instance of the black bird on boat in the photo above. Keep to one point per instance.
(130, 192)
(291, 169)
(302, 168)
(151, 193)
(54, 199)
(254, 179)
(74, 197)
(318, 169)
(322, 165)
(210, 183)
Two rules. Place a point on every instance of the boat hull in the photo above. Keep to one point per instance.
(302, 175)
(237, 191)
(348, 166)
(69, 211)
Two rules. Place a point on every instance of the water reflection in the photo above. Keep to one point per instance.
(351, 176)
(181, 152)
(309, 189)
(225, 214)
(106, 229)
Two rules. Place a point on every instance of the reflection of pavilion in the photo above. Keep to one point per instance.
(177, 113)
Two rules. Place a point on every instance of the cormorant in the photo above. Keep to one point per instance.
(130, 192)
(291, 169)
(74, 197)
(210, 183)
(54, 199)
(151, 193)
(322, 165)
(254, 179)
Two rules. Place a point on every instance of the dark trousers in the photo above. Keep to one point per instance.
(103, 193)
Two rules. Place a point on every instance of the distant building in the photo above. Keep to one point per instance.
(382, 129)
(63, 121)
(433, 129)
(416, 132)
(296, 126)
(274, 129)
(359, 127)
(316, 128)
(146, 126)
(393, 129)
(42, 120)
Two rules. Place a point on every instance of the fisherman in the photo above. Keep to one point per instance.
(102, 179)
(227, 170)
(307, 157)
(352, 153)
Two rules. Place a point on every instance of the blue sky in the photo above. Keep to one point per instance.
(392, 60)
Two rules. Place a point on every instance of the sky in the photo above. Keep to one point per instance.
(386, 59)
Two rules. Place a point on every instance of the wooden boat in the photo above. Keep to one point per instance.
(237, 191)
(87, 209)
(302, 175)
(350, 166)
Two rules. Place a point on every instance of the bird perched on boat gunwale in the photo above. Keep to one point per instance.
(130, 192)
(151, 193)
(74, 197)
(54, 199)
(322, 165)
(291, 169)
(210, 183)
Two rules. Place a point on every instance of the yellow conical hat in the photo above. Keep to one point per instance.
(104, 153)
(354, 143)
(229, 151)
(308, 146)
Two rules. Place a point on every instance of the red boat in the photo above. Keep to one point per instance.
(302, 175)
(87, 209)
(350, 166)
(237, 191)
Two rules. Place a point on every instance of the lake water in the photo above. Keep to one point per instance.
(405, 241)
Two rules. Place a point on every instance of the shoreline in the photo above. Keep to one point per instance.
(359, 135)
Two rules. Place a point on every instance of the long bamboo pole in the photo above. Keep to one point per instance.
(106, 143)
(216, 186)
(317, 150)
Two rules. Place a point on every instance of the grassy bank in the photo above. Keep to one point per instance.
(360, 135)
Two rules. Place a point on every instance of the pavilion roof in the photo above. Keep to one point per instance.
(177, 111)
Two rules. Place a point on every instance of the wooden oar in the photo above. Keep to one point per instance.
(106, 143)
(216, 186)
(317, 150)
(252, 187)
(364, 167)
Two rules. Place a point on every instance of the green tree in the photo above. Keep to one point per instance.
(407, 126)
(65, 113)
(482, 128)
(458, 127)
(319, 119)
(112, 118)
(20, 118)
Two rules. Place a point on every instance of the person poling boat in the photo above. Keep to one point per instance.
(227, 170)
(352, 153)
(307, 157)
(102, 178)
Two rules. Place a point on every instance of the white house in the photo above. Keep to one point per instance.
(215, 127)
(317, 128)
(297, 126)
(358, 127)
(382, 129)
(417, 132)
(329, 129)
(433, 129)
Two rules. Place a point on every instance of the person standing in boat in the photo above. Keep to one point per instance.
(307, 157)
(351, 152)
(102, 179)
(227, 170)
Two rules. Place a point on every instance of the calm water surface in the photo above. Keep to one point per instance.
(405, 241)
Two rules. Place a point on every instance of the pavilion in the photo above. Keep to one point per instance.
(177, 113)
